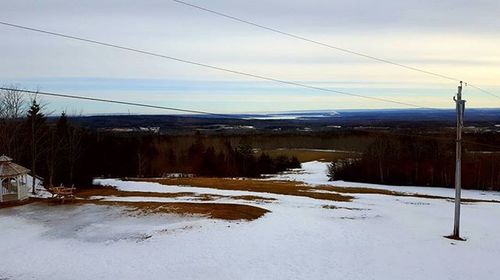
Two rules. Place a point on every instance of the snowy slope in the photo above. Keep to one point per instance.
(373, 237)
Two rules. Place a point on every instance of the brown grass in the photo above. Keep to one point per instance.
(15, 203)
(276, 187)
(211, 210)
(110, 191)
(345, 208)
(253, 198)
(304, 155)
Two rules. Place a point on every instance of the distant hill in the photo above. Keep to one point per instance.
(292, 121)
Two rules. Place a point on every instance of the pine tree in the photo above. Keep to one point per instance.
(36, 124)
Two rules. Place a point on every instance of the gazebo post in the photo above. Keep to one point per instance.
(1, 189)
(18, 187)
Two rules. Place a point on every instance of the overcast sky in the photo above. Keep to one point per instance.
(456, 38)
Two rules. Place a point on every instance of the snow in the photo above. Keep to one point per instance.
(41, 192)
(315, 173)
(372, 237)
(318, 150)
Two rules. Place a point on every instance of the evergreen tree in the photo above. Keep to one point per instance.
(36, 124)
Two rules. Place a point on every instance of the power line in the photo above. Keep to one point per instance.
(210, 66)
(115, 102)
(312, 41)
(483, 90)
(327, 45)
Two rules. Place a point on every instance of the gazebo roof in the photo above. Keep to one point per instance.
(5, 158)
(10, 169)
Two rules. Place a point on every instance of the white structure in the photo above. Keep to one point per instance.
(13, 179)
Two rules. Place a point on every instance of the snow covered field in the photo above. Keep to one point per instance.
(373, 237)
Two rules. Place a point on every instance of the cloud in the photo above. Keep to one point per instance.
(457, 38)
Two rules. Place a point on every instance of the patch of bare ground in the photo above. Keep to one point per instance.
(253, 198)
(253, 185)
(211, 210)
(354, 190)
(362, 217)
(15, 203)
(110, 191)
(345, 208)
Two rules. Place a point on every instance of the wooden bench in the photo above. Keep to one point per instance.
(62, 193)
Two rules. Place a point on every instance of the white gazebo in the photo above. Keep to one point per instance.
(13, 186)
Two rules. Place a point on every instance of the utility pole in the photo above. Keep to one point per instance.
(460, 104)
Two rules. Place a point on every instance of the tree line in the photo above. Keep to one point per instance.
(62, 152)
(409, 160)
(48, 149)
(148, 155)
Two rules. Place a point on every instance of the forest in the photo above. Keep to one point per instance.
(64, 150)
(420, 161)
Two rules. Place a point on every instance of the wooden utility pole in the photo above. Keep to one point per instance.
(33, 155)
(460, 104)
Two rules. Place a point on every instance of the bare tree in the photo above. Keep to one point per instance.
(380, 148)
(12, 109)
(75, 136)
(55, 146)
(12, 103)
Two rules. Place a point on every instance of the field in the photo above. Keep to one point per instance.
(296, 225)
(305, 155)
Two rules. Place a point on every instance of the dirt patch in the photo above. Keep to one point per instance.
(211, 210)
(253, 198)
(110, 191)
(17, 203)
(253, 185)
(345, 208)
(209, 197)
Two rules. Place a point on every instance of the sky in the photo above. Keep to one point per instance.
(454, 38)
